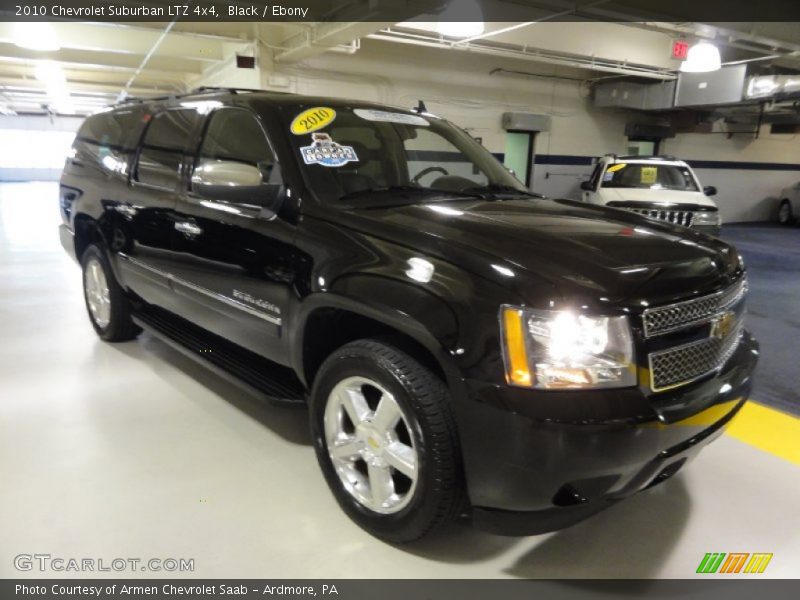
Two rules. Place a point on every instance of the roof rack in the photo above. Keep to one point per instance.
(644, 157)
(195, 92)
(209, 89)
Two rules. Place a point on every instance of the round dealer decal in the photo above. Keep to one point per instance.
(312, 119)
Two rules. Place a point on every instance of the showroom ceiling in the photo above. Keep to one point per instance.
(79, 67)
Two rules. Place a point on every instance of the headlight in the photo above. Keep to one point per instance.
(564, 350)
(706, 218)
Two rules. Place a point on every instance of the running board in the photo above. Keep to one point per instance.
(259, 376)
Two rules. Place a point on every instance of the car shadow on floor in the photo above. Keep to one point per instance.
(290, 422)
(629, 540)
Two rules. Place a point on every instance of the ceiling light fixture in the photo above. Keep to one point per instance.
(55, 81)
(50, 73)
(36, 36)
(703, 57)
(461, 19)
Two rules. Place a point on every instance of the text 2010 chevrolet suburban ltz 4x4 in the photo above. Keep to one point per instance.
(465, 347)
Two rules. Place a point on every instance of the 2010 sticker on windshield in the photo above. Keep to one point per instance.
(325, 152)
(312, 119)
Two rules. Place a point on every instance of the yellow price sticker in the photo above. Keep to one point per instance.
(649, 175)
(312, 119)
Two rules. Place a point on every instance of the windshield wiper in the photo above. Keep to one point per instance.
(408, 188)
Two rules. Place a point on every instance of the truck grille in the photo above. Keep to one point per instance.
(665, 319)
(676, 217)
(683, 364)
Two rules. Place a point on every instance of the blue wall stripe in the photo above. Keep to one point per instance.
(566, 159)
(587, 161)
(754, 166)
(563, 159)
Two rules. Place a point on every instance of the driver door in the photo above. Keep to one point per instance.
(235, 262)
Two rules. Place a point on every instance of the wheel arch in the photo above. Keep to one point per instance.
(87, 232)
(328, 321)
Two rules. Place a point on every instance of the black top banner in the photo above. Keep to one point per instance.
(706, 11)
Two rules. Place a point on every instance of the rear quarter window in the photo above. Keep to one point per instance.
(108, 140)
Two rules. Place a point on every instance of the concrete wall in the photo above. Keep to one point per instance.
(748, 172)
(35, 125)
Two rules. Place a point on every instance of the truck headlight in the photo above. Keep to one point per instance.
(557, 350)
(706, 218)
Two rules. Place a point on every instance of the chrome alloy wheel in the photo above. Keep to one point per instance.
(371, 445)
(98, 295)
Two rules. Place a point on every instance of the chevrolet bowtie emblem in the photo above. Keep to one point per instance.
(722, 325)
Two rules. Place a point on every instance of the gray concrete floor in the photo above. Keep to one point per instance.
(772, 257)
(133, 451)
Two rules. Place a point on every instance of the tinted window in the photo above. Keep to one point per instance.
(235, 135)
(108, 139)
(117, 128)
(164, 147)
(363, 155)
(431, 157)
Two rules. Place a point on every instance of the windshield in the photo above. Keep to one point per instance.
(649, 176)
(362, 156)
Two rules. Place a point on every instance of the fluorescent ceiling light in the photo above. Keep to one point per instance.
(50, 73)
(54, 79)
(460, 30)
(36, 36)
(702, 58)
(461, 19)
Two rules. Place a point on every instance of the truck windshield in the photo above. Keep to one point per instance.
(649, 176)
(365, 156)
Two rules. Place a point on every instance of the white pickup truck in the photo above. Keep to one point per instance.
(658, 187)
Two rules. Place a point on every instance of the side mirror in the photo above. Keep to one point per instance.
(234, 182)
(710, 190)
(587, 186)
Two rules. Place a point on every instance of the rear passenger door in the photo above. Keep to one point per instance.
(235, 261)
(159, 172)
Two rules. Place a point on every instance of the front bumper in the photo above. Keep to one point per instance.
(528, 474)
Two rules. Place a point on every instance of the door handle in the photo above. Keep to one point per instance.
(188, 228)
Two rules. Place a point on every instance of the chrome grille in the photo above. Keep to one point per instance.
(676, 217)
(683, 364)
(664, 319)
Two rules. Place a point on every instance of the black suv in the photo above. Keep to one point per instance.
(465, 347)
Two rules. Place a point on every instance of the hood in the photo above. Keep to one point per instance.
(651, 196)
(589, 252)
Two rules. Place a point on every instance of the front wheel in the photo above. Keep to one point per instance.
(386, 441)
(785, 215)
(108, 308)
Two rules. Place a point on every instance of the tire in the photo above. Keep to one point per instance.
(785, 215)
(108, 308)
(422, 498)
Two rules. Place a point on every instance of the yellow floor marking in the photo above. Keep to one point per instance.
(769, 430)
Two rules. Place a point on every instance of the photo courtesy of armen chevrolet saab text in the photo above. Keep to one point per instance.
(467, 348)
